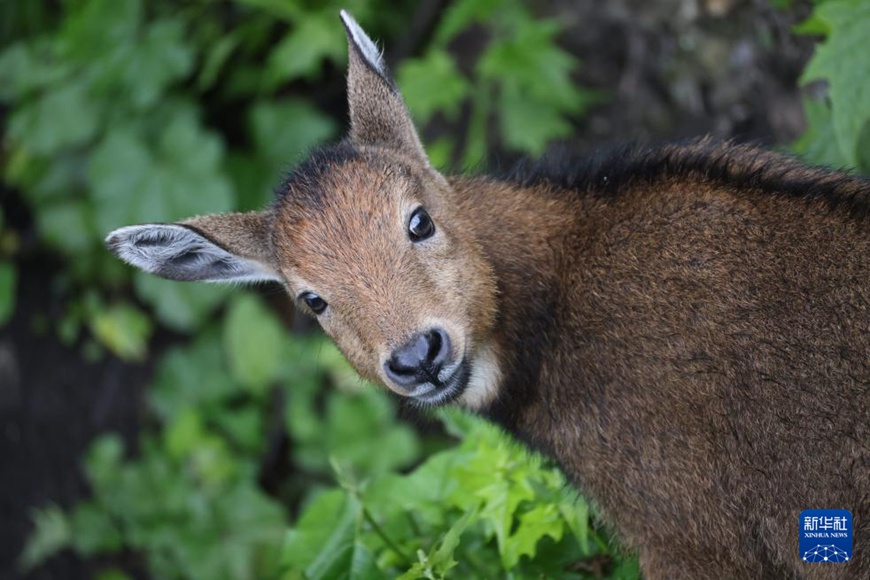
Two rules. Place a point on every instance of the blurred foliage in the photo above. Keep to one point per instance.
(838, 131)
(122, 111)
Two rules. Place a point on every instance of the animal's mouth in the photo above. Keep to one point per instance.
(445, 388)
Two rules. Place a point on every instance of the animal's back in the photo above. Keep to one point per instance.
(716, 335)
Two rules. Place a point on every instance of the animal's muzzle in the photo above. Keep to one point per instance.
(419, 360)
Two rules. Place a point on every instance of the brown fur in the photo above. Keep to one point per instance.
(685, 329)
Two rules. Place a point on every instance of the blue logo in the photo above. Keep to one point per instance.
(826, 536)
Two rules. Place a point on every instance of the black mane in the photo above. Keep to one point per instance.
(606, 173)
(304, 179)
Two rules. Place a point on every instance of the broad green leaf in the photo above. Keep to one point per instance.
(194, 375)
(819, 144)
(93, 530)
(97, 28)
(65, 225)
(212, 460)
(123, 329)
(215, 59)
(575, 512)
(460, 15)
(183, 434)
(62, 117)
(841, 60)
(133, 183)
(361, 431)
(119, 172)
(193, 156)
(51, 534)
(313, 40)
(542, 520)
(181, 307)
(253, 343)
(528, 125)
(431, 84)
(424, 492)
(103, 460)
(27, 67)
(249, 523)
(284, 131)
(245, 427)
(442, 559)
(8, 288)
(322, 542)
(253, 178)
(161, 57)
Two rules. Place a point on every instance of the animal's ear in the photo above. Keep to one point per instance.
(233, 247)
(378, 115)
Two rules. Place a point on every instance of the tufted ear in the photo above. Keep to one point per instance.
(215, 248)
(378, 115)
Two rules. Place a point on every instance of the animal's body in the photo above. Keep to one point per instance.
(685, 329)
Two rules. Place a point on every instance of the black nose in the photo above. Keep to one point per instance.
(420, 359)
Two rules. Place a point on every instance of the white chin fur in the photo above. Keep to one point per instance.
(484, 382)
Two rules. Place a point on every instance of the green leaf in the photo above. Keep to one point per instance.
(96, 29)
(286, 130)
(819, 144)
(245, 426)
(181, 307)
(441, 558)
(536, 92)
(181, 177)
(431, 84)
(65, 116)
(8, 284)
(123, 329)
(65, 225)
(27, 67)
(194, 375)
(254, 343)
(841, 60)
(460, 15)
(528, 124)
(161, 57)
(575, 512)
(249, 523)
(215, 59)
(313, 40)
(361, 431)
(321, 544)
(184, 434)
(542, 520)
(51, 535)
(93, 530)
(103, 460)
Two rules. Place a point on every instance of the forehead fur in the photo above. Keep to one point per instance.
(343, 199)
(315, 182)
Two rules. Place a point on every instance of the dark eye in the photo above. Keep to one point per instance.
(314, 302)
(420, 225)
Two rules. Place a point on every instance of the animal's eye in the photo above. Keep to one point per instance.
(420, 225)
(314, 302)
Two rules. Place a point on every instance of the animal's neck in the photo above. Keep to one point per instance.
(523, 234)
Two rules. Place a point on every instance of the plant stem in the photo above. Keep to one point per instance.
(367, 516)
